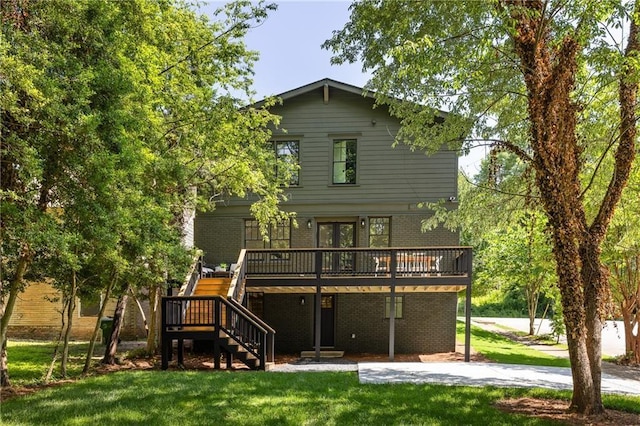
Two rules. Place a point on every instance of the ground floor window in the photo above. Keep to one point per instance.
(89, 304)
(399, 305)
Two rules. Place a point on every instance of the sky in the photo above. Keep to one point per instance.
(290, 54)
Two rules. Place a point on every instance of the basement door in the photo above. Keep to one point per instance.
(327, 321)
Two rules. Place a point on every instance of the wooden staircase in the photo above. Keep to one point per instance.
(220, 287)
(206, 287)
(234, 350)
(212, 287)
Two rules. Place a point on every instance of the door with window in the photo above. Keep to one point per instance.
(337, 235)
(327, 321)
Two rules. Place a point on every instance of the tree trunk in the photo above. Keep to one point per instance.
(6, 310)
(71, 309)
(557, 160)
(118, 319)
(142, 314)
(94, 337)
(154, 303)
(532, 294)
(4, 370)
(56, 350)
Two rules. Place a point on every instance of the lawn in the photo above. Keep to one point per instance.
(501, 349)
(241, 397)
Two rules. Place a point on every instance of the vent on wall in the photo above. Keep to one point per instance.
(326, 93)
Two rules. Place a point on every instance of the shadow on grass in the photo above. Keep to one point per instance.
(205, 398)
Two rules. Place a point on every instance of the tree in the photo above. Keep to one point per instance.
(518, 255)
(621, 252)
(113, 114)
(518, 68)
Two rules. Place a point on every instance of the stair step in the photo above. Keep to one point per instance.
(212, 287)
(323, 354)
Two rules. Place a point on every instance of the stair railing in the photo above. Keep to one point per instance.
(194, 274)
(269, 342)
(236, 288)
(248, 331)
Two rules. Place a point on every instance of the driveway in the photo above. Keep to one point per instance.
(484, 374)
(461, 374)
(612, 334)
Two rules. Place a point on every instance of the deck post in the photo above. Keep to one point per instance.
(392, 309)
(318, 321)
(467, 309)
(164, 340)
(318, 305)
(217, 318)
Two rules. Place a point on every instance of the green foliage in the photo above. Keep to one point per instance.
(119, 120)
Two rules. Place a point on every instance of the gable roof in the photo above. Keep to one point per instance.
(330, 83)
(317, 85)
(321, 83)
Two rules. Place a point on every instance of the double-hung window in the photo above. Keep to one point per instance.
(379, 232)
(279, 235)
(287, 161)
(399, 302)
(344, 161)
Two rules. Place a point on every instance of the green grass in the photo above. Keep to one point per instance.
(30, 360)
(504, 350)
(206, 398)
(239, 398)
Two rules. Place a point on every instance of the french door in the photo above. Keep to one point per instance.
(337, 235)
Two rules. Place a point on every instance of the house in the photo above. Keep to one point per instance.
(38, 315)
(356, 200)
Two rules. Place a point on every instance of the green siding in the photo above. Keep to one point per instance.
(384, 174)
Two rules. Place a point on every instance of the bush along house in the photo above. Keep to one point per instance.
(356, 274)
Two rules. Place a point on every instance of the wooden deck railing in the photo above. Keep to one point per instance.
(214, 318)
(365, 262)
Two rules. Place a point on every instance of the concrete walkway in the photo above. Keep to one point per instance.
(622, 380)
(484, 374)
(462, 374)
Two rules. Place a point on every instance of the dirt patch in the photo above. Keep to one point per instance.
(553, 409)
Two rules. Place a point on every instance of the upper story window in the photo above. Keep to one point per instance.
(288, 160)
(279, 235)
(379, 231)
(344, 161)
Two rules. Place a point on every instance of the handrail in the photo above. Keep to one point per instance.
(259, 322)
(249, 318)
(236, 286)
(194, 274)
(255, 343)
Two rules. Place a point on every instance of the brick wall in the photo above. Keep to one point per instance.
(292, 321)
(428, 325)
(221, 238)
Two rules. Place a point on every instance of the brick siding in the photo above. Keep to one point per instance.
(428, 325)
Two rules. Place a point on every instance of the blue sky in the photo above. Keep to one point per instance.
(290, 54)
(289, 45)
